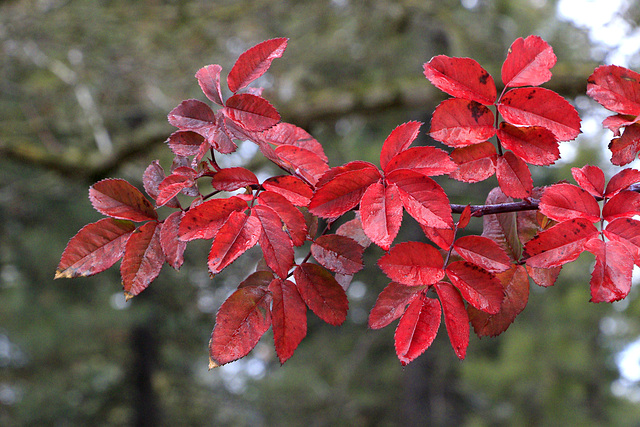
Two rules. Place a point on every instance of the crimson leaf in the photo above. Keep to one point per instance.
(456, 318)
(381, 213)
(478, 287)
(391, 303)
(462, 78)
(459, 122)
(209, 81)
(119, 199)
(288, 316)
(339, 254)
(563, 202)
(413, 264)
(611, 277)
(238, 234)
(255, 62)
(417, 328)
(398, 140)
(322, 293)
(528, 62)
(143, 258)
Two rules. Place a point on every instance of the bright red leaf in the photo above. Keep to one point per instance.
(563, 202)
(275, 243)
(478, 287)
(231, 179)
(288, 134)
(456, 318)
(417, 328)
(398, 140)
(544, 277)
(322, 293)
(611, 277)
(292, 188)
(616, 122)
(443, 237)
(240, 323)
(185, 143)
(560, 244)
(339, 170)
(624, 204)
(627, 232)
(94, 248)
(625, 148)
(464, 219)
(302, 162)
(533, 144)
(429, 161)
(251, 112)
(381, 213)
(288, 316)
(541, 107)
(238, 234)
(353, 229)
(590, 178)
(459, 122)
(339, 254)
(621, 181)
(193, 115)
(483, 252)
(119, 199)
(181, 179)
(528, 62)
(391, 303)
(209, 81)
(255, 62)
(514, 176)
(413, 264)
(292, 218)
(616, 89)
(143, 259)
(151, 179)
(204, 220)
(462, 78)
(475, 162)
(172, 246)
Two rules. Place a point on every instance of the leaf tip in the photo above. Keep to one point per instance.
(212, 363)
(128, 296)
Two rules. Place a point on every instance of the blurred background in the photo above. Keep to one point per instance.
(85, 87)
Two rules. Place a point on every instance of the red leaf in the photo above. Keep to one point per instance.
(464, 219)
(417, 328)
(625, 149)
(443, 237)
(541, 107)
(94, 248)
(193, 115)
(119, 199)
(209, 81)
(413, 264)
(231, 179)
(614, 123)
(544, 277)
(590, 178)
(611, 277)
(624, 204)
(502, 228)
(478, 287)
(185, 143)
(483, 252)
(219, 138)
(533, 144)
(143, 259)
(455, 317)
(462, 78)
(255, 62)
(398, 140)
(151, 179)
(238, 234)
(528, 62)
(429, 161)
(563, 202)
(288, 134)
(337, 253)
(381, 213)
(240, 323)
(339, 170)
(621, 181)
(289, 318)
(292, 218)
(292, 188)
(514, 176)
(251, 112)
(560, 244)
(626, 231)
(353, 229)
(516, 287)
(322, 294)
(616, 89)
(391, 303)
(302, 162)
(275, 243)
(204, 220)
(172, 246)
(475, 162)
(459, 122)
(422, 198)
(182, 178)
(343, 192)
(261, 278)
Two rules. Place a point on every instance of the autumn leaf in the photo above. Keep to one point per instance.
(483, 252)
(172, 246)
(398, 141)
(292, 218)
(459, 122)
(251, 112)
(238, 234)
(255, 62)
(429, 161)
(231, 179)
(478, 287)
(462, 78)
(456, 318)
(514, 176)
(590, 178)
(563, 202)
(528, 62)
(560, 244)
(288, 317)
(616, 89)
(381, 213)
(143, 258)
(533, 144)
(391, 303)
(611, 276)
(275, 243)
(413, 264)
(292, 188)
(417, 328)
(621, 181)
(204, 221)
(119, 199)
(322, 293)
(339, 254)
(209, 81)
(475, 162)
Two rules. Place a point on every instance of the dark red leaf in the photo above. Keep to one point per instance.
(288, 134)
(516, 288)
(533, 144)
(143, 259)
(171, 186)
(193, 115)
(251, 112)
(621, 181)
(459, 122)
(172, 246)
(502, 228)
(219, 138)
(626, 231)
(413, 264)
(292, 218)
(563, 202)
(275, 243)
(381, 213)
(261, 278)
(94, 248)
(343, 192)
(611, 277)
(391, 303)
(429, 161)
(209, 81)
(151, 179)
(240, 323)
(625, 149)
(541, 107)
(560, 244)
(119, 199)
(624, 204)
(616, 89)
(590, 178)
(422, 198)
(483, 252)
(455, 317)
(398, 140)
(478, 287)
(292, 188)
(417, 328)
(185, 143)
(231, 179)
(322, 293)
(544, 277)
(289, 318)
(255, 62)
(339, 254)
(464, 219)
(514, 176)
(302, 162)
(238, 234)
(462, 78)
(204, 220)
(475, 162)
(353, 229)
(528, 62)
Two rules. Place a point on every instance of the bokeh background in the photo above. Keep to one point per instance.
(85, 87)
